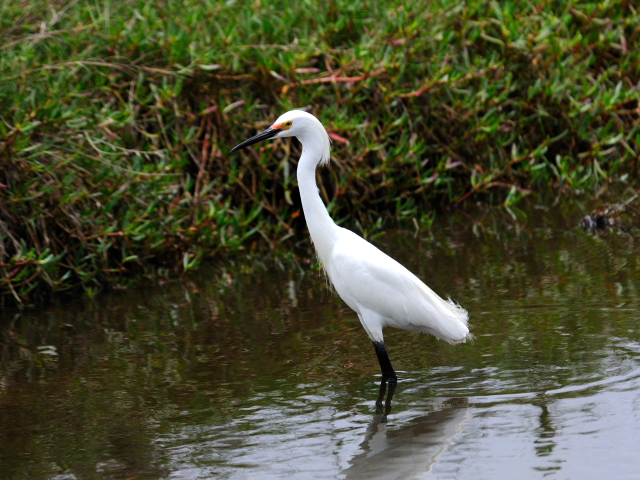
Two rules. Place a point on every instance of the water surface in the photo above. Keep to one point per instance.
(258, 371)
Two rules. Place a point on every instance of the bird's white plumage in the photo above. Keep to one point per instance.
(384, 293)
(381, 291)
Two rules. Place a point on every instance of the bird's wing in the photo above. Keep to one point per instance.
(363, 274)
(365, 277)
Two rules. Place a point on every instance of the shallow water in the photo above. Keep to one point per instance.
(266, 374)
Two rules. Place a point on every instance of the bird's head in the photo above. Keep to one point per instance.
(296, 123)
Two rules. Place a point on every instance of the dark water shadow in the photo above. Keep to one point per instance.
(410, 451)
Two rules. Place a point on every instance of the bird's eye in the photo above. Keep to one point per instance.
(287, 125)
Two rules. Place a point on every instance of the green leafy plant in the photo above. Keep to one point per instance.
(116, 119)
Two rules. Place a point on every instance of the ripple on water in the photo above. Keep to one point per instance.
(245, 383)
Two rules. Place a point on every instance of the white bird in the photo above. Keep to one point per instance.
(381, 291)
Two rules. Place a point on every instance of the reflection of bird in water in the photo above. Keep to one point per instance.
(381, 291)
(411, 451)
(383, 409)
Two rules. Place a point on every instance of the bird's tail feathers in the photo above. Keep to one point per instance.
(450, 322)
(462, 316)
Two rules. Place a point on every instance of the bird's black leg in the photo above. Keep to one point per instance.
(388, 375)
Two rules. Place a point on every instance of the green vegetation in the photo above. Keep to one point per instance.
(116, 118)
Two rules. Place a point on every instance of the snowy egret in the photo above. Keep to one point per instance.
(381, 291)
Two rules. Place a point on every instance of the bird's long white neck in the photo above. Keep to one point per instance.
(322, 228)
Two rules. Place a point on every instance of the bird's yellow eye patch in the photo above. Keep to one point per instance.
(284, 125)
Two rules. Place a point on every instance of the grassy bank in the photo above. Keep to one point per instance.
(116, 118)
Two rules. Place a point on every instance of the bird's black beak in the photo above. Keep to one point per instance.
(267, 134)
